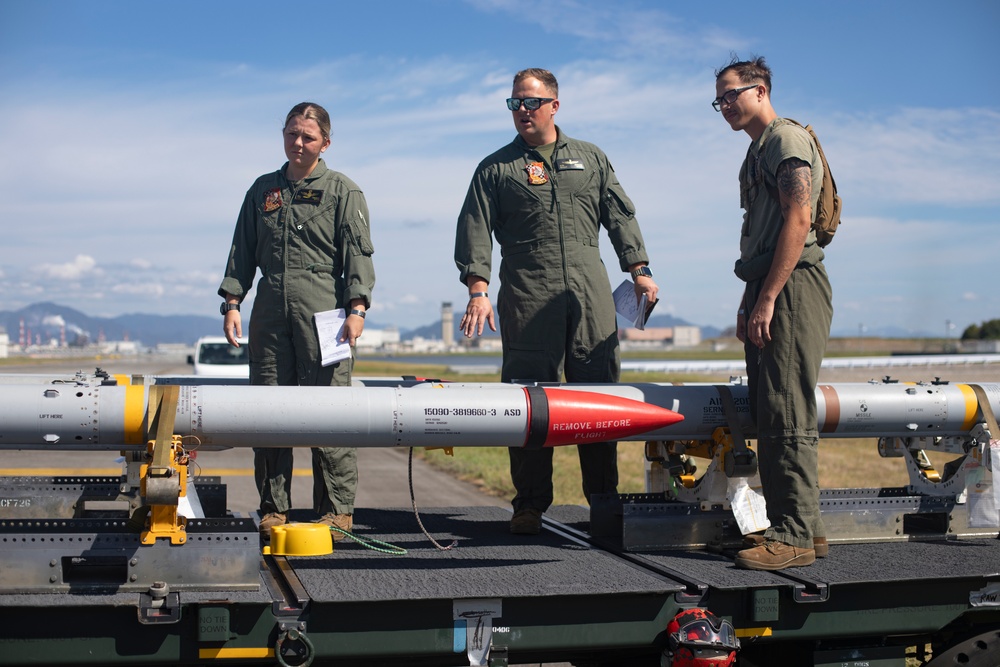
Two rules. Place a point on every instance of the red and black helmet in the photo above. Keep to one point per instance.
(698, 638)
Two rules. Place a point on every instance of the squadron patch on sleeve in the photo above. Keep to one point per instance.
(272, 200)
(536, 173)
(308, 196)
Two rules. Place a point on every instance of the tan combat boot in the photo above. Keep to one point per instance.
(820, 545)
(271, 519)
(774, 555)
(342, 521)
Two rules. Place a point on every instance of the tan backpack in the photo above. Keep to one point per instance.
(829, 204)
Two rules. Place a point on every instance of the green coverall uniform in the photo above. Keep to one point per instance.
(555, 306)
(311, 241)
(783, 375)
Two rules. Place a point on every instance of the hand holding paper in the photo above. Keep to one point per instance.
(632, 309)
(329, 324)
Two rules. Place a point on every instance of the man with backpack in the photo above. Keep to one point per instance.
(784, 317)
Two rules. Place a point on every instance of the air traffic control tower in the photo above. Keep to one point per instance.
(447, 324)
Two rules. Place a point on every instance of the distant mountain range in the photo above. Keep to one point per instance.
(48, 321)
(45, 322)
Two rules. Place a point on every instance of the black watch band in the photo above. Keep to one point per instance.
(360, 313)
(226, 307)
(641, 271)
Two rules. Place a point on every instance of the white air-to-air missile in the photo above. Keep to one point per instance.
(98, 412)
(101, 415)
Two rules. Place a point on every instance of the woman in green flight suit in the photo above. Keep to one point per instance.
(306, 228)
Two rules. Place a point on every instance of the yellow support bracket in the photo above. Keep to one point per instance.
(164, 478)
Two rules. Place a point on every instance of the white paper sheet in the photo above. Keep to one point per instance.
(982, 492)
(748, 504)
(634, 310)
(329, 325)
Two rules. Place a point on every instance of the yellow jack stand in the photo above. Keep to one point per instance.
(164, 479)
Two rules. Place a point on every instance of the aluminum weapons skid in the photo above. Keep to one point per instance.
(72, 534)
(650, 522)
(107, 555)
(68, 497)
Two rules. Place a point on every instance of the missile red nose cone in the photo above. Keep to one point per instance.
(584, 416)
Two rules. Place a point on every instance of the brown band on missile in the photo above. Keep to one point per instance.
(832, 403)
(538, 422)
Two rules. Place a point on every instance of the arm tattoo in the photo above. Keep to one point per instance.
(795, 182)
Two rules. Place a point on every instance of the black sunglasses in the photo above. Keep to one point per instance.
(530, 103)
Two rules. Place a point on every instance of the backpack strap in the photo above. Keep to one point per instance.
(771, 189)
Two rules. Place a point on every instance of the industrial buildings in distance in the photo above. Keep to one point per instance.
(386, 340)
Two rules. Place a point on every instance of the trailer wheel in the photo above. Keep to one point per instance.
(979, 651)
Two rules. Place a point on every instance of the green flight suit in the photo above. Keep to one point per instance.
(311, 241)
(782, 376)
(554, 305)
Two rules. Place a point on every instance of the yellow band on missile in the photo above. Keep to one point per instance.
(971, 406)
(135, 413)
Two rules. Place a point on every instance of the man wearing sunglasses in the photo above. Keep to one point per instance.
(545, 197)
(784, 317)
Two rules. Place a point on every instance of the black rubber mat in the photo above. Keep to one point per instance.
(487, 562)
(846, 564)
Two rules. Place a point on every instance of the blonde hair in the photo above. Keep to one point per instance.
(547, 78)
(310, 110)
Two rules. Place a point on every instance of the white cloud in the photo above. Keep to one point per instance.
(80, 266)
(146, 289)
(917, 156)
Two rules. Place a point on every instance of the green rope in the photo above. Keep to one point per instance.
(371, 542)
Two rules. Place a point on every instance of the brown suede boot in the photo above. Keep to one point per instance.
(271, 519)
(774, 555)
(342, 521)
(820, 545)
(526, 522)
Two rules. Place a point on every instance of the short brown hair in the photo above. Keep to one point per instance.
(313, 111)
(547, 78)
(749, 71)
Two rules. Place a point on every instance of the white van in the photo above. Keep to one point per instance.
(214, 356)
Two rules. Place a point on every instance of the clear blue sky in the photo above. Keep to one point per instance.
(129, 132)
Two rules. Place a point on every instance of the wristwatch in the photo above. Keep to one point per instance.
(226, 307)
(641, 271)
